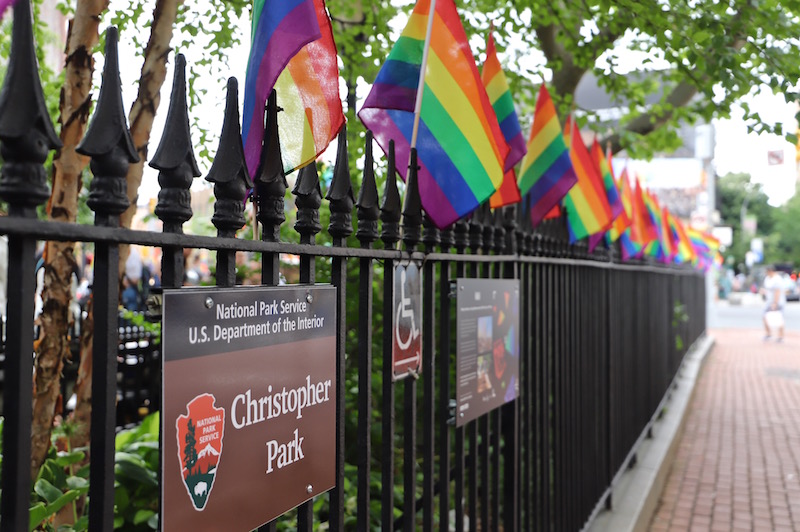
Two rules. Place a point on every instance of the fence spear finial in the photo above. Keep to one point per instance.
(26, 132)
(367, 204)
(309, 200)
(391, 207)
(271, 178)
(340, 193)
(412, 207)
(229, 171)
(174, 157)
(108, 140)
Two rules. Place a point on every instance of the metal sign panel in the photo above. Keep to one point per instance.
(487, 346)
(407, 321)
(248, 417)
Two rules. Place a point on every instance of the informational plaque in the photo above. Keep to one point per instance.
(407, 321)
(249, 395)
(487, 346)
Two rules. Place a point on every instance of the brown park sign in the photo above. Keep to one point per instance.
(249, 395)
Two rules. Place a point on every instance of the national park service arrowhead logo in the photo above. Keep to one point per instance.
(200, 434)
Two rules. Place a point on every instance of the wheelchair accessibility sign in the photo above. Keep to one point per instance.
(407, 321)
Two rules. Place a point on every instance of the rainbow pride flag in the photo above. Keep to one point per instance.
(628, 247)
(706, 248)
(623, 221)
(308, 94)
(500, 95)
(684, 251)
(546, 172)
(603, 167)
(657, 248)
(280, 29)
(461, 149)
(588, 211)
(642, 229)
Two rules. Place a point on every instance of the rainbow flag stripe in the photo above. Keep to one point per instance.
(461, 149)
(546, 172)
(657, 247)
(308, 94)
(500, 95)
(280, 29)
(588, 211)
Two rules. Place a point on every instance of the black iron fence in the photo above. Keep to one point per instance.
(600, 341)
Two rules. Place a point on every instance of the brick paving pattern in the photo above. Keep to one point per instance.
(738, 462)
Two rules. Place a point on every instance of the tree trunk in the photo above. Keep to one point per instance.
(143, 110)
(59, 261)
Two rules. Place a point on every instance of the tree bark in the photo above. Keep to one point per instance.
(52, 348)
(143, 110)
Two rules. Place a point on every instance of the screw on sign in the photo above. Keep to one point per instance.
(407, 321)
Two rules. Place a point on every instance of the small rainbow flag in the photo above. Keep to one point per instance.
(308, 94)
(684, 252)
(546, 172)
(658, 247)
(500, 95)
(629, 248)
(280, 29)
(623, 221)
(461, 149)
(588, 211)
(603, 167)
(642, 230)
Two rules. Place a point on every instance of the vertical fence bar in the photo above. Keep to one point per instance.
(270, 191)
(430, 238)
(390, 234)
(412, 219)
(475, 242)
(174, 159)
(461, 240)
(26, 137)
(510, 413)
(108, 199)
(368, 212)
(340, 197)
(445, 420)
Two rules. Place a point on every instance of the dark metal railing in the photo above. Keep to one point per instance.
(598, 337)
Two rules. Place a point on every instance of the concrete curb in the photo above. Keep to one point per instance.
(636, 495)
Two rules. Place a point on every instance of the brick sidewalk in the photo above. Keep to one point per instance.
(738, 462)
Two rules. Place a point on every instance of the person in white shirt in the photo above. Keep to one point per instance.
(775, 293)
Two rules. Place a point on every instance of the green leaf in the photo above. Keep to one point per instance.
(36, 514)
(77, 483)
(65, 459)
(118, 522)
(62, 501)
(135, 471)
(47, 491)
(153, 521)
(142, 516)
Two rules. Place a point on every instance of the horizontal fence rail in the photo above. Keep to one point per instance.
(600, 341)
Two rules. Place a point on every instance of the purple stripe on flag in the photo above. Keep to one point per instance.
(391, 97)
(594, 240)
(5, 4)
(547, 201)
(517, 152)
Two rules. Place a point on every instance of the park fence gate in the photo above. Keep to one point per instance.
(601, 341)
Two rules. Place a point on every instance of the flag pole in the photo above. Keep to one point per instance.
(422, 69)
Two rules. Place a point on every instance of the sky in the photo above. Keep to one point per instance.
(736, 150)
